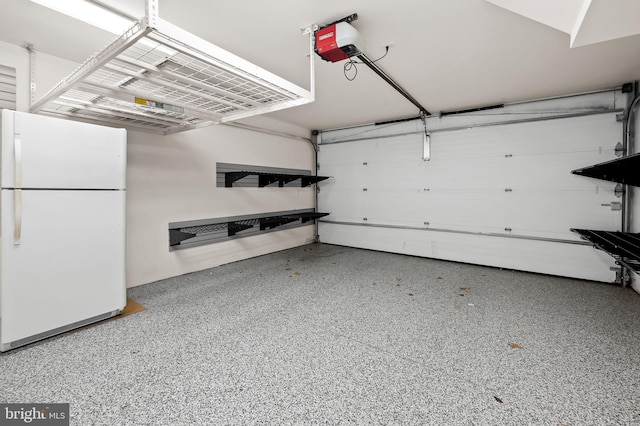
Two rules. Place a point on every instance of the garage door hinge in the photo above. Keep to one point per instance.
(615, 205)
(621, 277)
(619, 149)
(621, 117)
(619, 191)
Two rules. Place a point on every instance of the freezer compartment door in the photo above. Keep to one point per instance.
(46, 152)
(69, 265)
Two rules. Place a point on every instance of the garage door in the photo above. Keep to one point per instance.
(496, 190)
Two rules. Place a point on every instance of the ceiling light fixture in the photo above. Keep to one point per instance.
(89, 13)
(100, 17)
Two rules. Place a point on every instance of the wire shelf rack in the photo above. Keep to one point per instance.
(208, 231)
(159, 78)
(624, 247)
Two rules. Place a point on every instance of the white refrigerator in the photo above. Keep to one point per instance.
(62, 235)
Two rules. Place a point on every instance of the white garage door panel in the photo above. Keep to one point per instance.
(405, 207)
(553, 214)
(578, 261)
(452, 210)
(507, 179)
(347, 205)
(465, 174)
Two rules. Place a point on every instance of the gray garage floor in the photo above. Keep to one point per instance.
(328, 334)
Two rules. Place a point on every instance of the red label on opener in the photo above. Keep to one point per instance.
(326, 45)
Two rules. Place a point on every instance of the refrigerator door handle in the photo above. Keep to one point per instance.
(17, 211)
(17, 193)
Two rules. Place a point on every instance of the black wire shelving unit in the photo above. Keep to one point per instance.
(624, 247)
(265, 178)
(224, 230)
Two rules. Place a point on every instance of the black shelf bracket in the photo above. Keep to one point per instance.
(231, 177)
(177, 236)
(306, 217)
(310, 180)
(285, 179)
(274, 222)
(265, 179)
(234, 227)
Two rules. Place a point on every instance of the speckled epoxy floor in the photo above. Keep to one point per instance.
(331, 335)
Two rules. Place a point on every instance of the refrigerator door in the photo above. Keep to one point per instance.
(69, 268)
(44, 152)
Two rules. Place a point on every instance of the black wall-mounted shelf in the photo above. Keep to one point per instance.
(621, 170)
(624, 247)
(231, 175)
(208, 231)
(265, 178)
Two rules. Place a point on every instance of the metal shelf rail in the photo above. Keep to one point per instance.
(265, 178)
(621, 170)
(159, 78)
(624, 247)
(222, 229)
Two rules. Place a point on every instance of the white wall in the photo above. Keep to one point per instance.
(173, 178)
(49, 70)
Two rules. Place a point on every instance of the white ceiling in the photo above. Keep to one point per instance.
(587, 21)
(449, 55)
